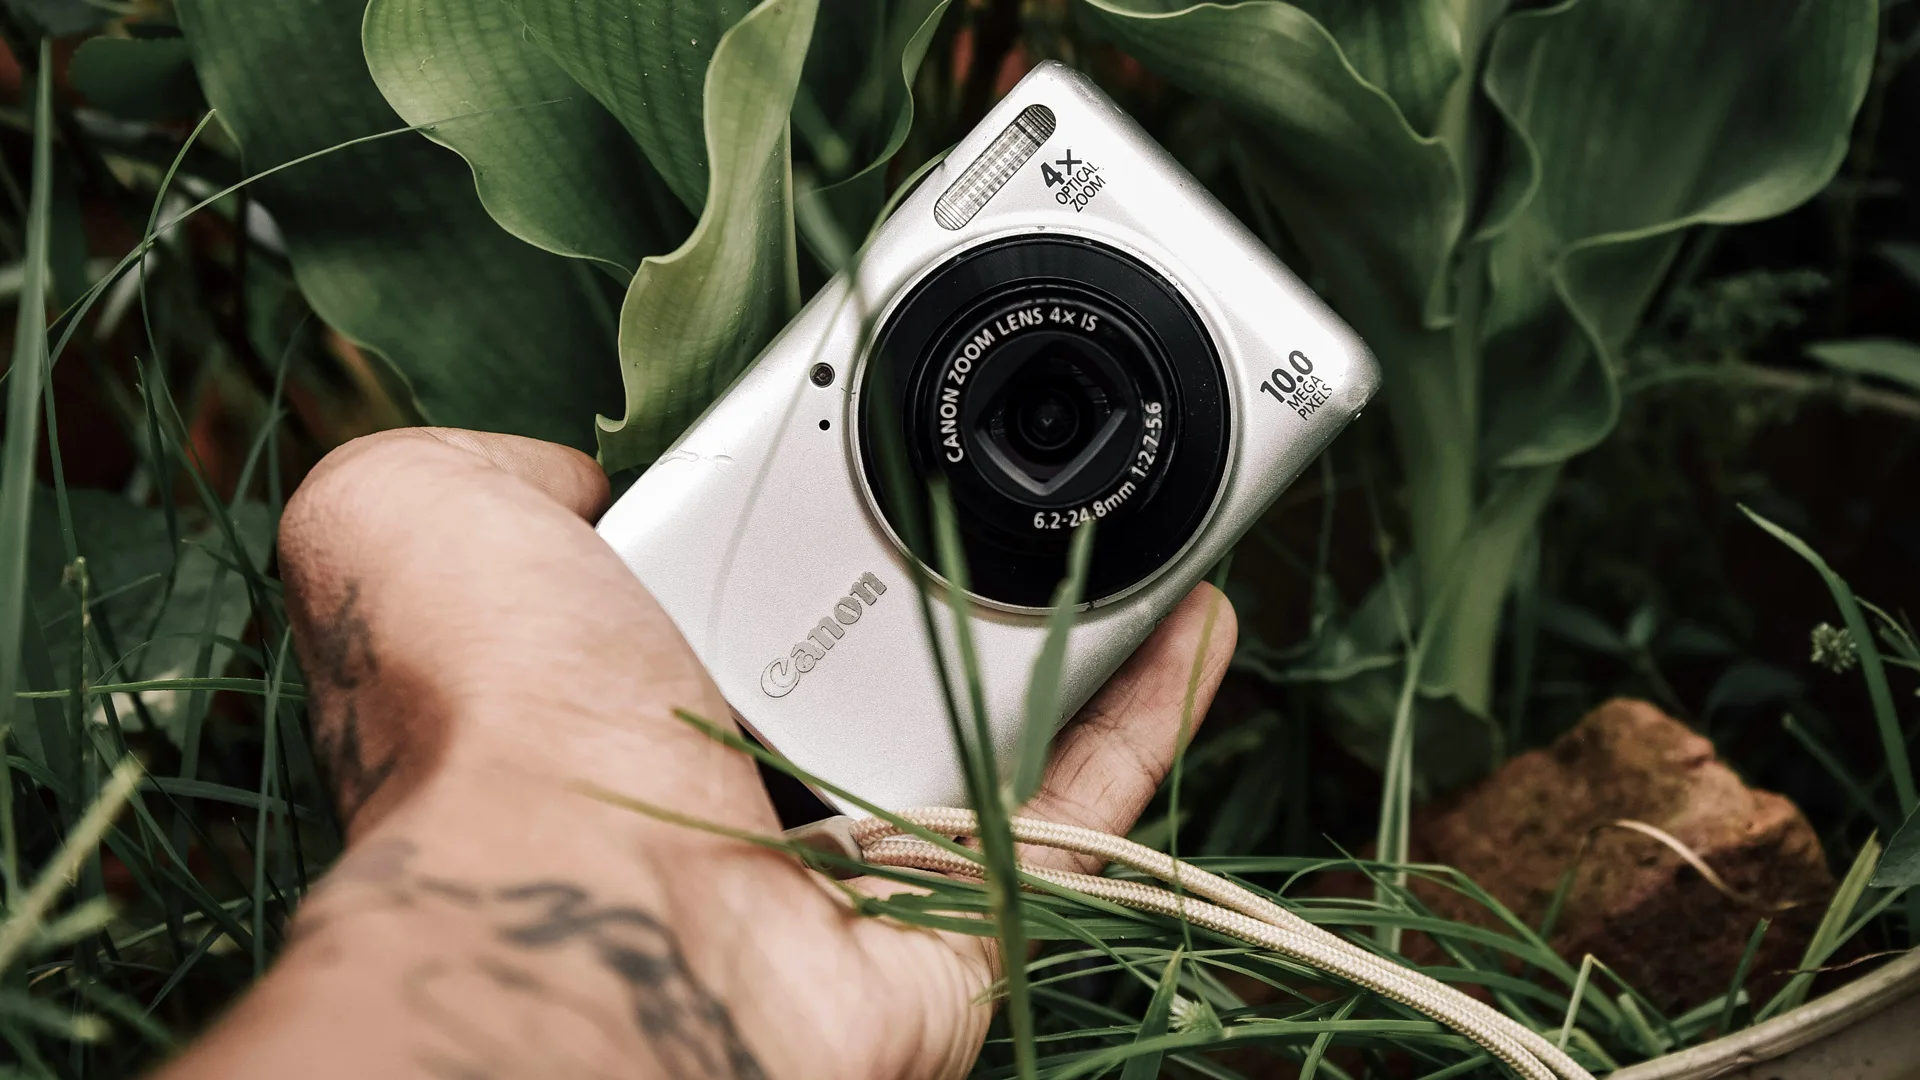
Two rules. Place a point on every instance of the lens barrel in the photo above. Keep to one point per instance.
(1049, 381)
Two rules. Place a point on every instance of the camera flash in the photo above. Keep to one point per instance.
(996, 165)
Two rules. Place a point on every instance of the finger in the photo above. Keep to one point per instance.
(562, 473)
(451, 603)
(1111, 758)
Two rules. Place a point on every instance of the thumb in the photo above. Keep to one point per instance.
(454, 610)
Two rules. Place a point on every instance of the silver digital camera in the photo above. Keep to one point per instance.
(1063, 325)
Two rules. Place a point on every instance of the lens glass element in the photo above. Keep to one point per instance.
(1050, 415)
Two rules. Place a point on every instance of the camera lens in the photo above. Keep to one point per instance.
(1050, 412)
(1046, 420)
(1049, 382)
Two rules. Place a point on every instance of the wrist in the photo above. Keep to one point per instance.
(495, 939)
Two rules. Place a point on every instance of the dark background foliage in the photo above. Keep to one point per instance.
(199, 388)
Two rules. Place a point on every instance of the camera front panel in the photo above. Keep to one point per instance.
(1051, 381)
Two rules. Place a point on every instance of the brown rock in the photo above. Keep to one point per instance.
(1635, 904)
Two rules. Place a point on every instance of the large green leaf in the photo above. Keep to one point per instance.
(551, 164)
(1495, 256)
(646, 61)
(694, 319)
(1408, 48)
(1471, 596)
(388, 240)
(1644, 117)
(1376, 204)
(855, 116)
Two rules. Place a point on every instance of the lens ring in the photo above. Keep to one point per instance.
(959, 412)
(1005, 328)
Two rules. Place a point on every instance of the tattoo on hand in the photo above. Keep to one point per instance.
(689, 1029)
(341, 653)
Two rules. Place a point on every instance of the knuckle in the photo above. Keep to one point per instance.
(346, 512)
(340, 488)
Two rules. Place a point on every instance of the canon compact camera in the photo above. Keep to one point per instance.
(1061, 324)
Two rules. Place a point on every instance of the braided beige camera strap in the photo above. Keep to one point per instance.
(1222, 906)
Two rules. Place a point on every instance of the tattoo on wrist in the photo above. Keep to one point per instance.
(341, 653)
(688, 1029)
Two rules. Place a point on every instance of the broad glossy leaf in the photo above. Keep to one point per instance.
(388, 239)
(646, 61)
(1884, 358)
(695, 318)
(551, 164)
(1409, 48)
(1376, 205)
(1644, 117)
(1473, 592)
(856, 115)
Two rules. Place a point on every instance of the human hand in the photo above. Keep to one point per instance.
(473, 653)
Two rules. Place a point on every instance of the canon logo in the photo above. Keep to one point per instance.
(781, 676)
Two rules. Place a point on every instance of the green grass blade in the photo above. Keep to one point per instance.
(1154, 1024)
(50, 1018)
(1461, 1068)
(294, 691)
(1829, 934)
(1317, 1053)
(976, 748)
(1187, 720)
(268, 759)
(1892, 740)
(1573, 1000)
(1043, 690)
(25, 918)
(22, 441)
(178, 788)
(1737, 990)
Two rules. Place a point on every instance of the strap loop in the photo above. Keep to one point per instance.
(1207, 900)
